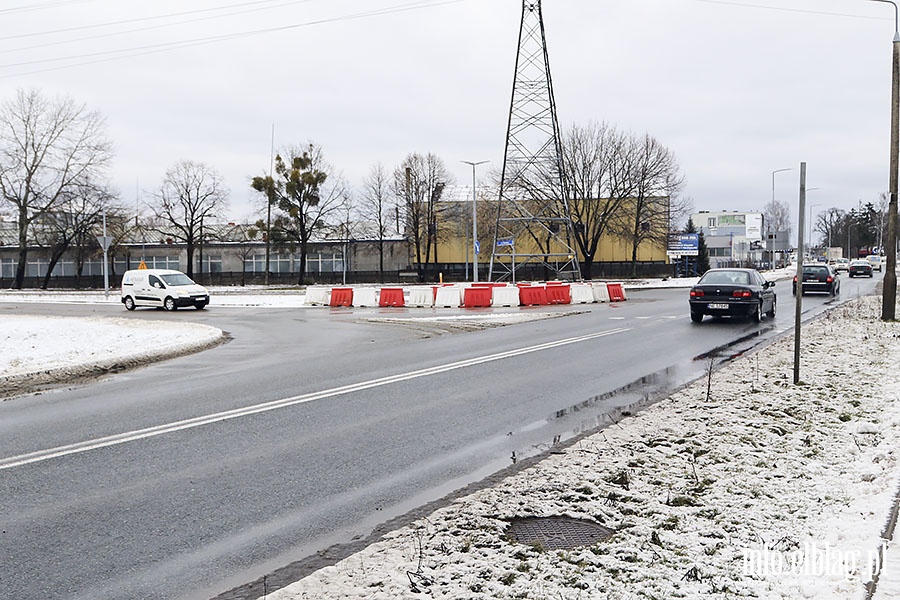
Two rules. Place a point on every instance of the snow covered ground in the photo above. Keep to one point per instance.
(43, 344)
(742, 485)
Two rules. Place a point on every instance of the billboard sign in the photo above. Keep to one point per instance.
(683, 244)
(753, 225)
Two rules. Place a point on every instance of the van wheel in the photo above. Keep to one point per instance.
(169, 303)
(129, 303)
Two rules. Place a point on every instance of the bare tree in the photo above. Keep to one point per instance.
(190, 193)
(620, 186)
(656, 178)
(777, 215)
(48, 148)
(587, 159)
(376, 210)
(832, 224)
(418, 184)
(244, 236)
(72, 224)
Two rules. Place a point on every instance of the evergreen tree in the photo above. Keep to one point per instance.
(701, 262)
(702, 256)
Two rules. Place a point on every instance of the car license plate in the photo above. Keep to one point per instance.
(717, 306)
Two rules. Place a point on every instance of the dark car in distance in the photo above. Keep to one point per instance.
(732, 293)
(818, 277)
(860, 267)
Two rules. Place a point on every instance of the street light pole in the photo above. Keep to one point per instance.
(889, 283)
(475, 247)
(773, 180)
(768, 226)
(809, 226)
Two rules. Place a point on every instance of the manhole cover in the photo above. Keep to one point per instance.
(557, 533)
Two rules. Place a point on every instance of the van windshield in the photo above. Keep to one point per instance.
(177, 279)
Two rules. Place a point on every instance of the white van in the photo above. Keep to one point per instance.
(161, 288)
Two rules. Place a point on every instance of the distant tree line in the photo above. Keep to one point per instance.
(54, 176)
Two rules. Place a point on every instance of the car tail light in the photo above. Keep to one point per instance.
(696, 293)
(741, 294)
(829, 280)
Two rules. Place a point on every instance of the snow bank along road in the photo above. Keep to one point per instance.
(44, 350)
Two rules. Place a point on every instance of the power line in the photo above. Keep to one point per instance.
(157, 18)
(110, 55)
(792, 10)
(139, 29)
(32, 7)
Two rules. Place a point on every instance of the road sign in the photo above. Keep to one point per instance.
(105, 241)
(504, 243)
(477, 247)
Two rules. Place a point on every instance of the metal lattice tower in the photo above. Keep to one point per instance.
(534, 231)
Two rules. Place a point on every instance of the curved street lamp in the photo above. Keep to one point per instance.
(768, 226)
(773, 180)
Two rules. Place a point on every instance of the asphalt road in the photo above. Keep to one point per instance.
(198, 474)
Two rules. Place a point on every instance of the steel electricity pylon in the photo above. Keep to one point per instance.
(534, 231)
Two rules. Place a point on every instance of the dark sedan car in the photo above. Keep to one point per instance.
(863, 268)
(818, 277)
(732, 293)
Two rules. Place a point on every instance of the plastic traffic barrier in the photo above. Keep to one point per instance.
(558, 293)
(341, 297)
(504, 296)
(391, 296)
(317, 296)
(532, 295)
(421, 296)
(601, 292)
(582, 293)
(448, 296)
(364, 296)
(477, 296)
(616, 292)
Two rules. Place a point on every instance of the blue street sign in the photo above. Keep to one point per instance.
(477, 247)
(504, 242)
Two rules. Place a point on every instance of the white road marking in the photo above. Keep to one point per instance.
(139, 434)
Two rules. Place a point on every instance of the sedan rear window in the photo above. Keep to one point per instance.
(727, 278)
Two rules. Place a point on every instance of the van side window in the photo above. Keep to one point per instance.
(155, 282)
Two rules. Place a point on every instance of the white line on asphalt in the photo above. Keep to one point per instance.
(122, 438)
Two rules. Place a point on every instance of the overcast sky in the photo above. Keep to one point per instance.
(735, 89)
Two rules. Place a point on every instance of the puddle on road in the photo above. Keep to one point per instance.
(602, 410)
